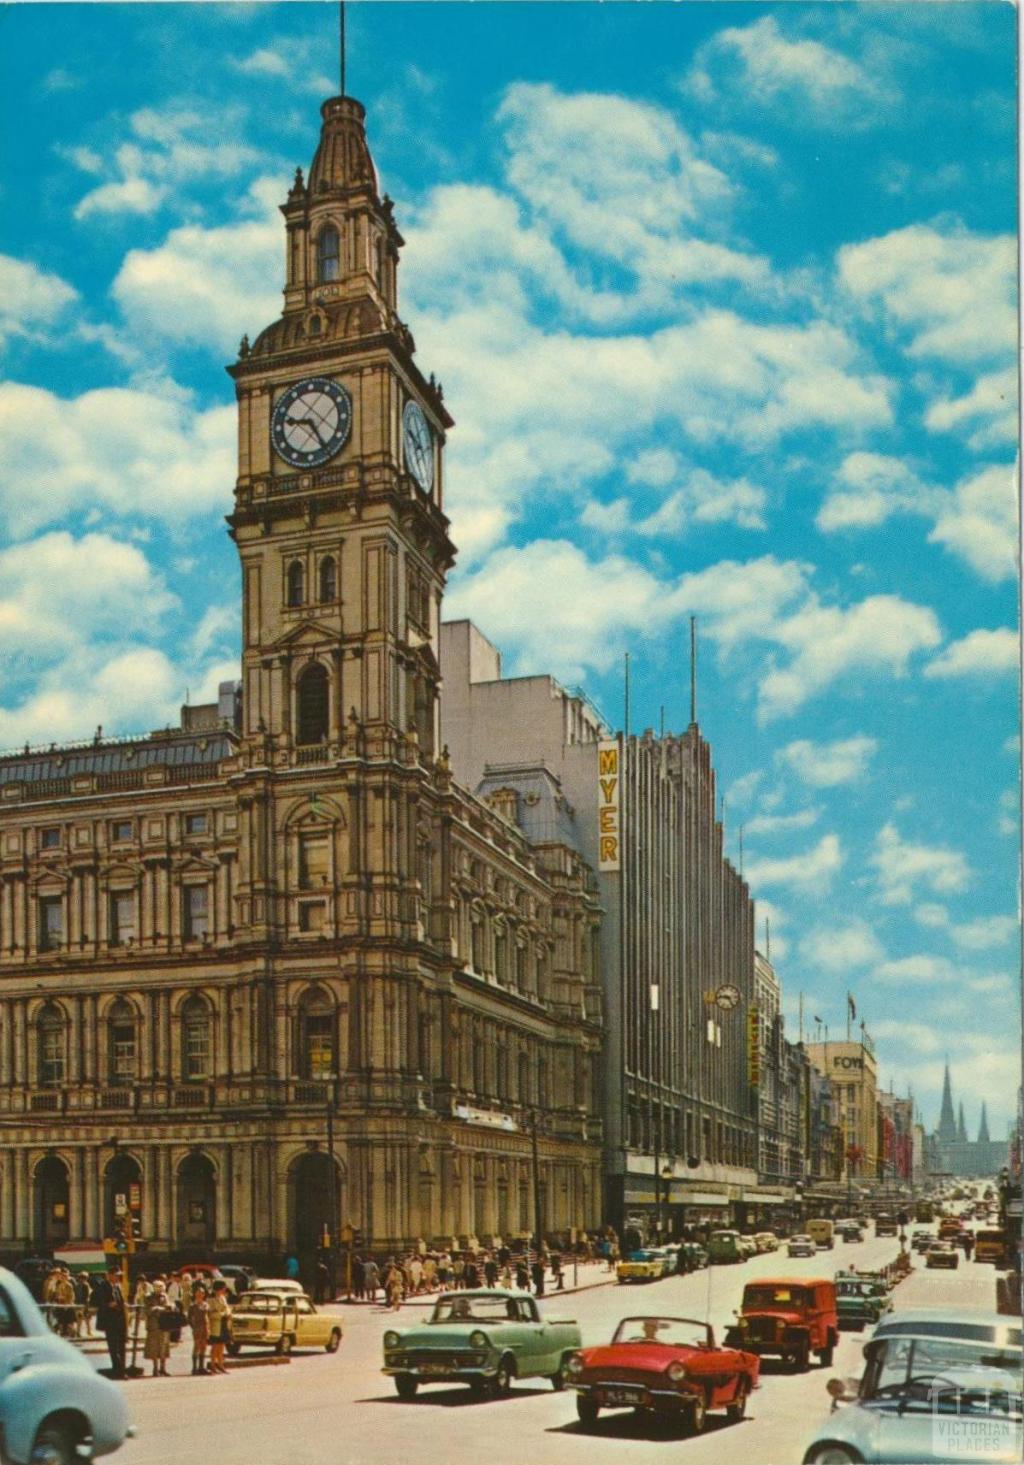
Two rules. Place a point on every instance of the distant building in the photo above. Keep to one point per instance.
(951, 1152)
(852, 1069)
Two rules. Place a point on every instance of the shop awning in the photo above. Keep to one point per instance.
(698, 1197)
(766, 1200)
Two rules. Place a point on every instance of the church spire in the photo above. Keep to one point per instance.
(947, 1119)
(961, 1127)
(983, 1134)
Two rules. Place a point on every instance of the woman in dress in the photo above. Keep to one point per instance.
(219, 1314)
(158, 1338)
(199, 1322)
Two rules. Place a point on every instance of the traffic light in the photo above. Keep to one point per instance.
(124, 1234)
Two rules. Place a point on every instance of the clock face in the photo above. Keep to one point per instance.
(311, 422)
(419, 445)
(728, 997)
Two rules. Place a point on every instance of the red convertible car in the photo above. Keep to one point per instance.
(666, 1364)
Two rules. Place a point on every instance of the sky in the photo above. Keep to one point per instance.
(723, 300)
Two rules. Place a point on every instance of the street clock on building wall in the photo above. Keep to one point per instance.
(311, 422)
(418, 442)
(727, 997)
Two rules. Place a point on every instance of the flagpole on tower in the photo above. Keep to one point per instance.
(341, 42)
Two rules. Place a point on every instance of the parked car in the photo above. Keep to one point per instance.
(667, 1365)
(282, 1321)
(937, 1386)
(942, 1254)
(748, 1246)
(990, 1246)
(859, 1302)
(801, 1246)
(766, 1241)
(275, 1284)
(724, 1246)
(649, 1265)
(239, 1279)
(54, 1406)
(485, 1339)
(790, 1317)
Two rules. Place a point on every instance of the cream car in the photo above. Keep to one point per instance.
(281, 1321)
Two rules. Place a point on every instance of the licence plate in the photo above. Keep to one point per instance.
(434, 1368)
(623, 1396)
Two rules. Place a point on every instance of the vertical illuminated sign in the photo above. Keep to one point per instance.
(609, 806)
(753, 1047)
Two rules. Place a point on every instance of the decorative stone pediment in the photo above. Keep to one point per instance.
(309, 634)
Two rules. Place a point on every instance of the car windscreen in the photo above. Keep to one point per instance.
(673, 1332)
(258, 1302)
(943, 1373)
(854, 1289)
(476, 1310)
(765, 1296)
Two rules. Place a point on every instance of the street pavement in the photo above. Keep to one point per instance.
(339, 1409)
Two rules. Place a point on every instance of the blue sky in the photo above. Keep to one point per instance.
(723, 301)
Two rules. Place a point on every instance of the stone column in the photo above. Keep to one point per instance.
(8, 1223)
(23, 1219)
(93, 1222)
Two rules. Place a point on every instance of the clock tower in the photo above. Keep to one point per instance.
(338, 512)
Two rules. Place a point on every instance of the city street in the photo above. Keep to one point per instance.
(340, 1410)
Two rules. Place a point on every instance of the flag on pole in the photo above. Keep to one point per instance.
(853, 1007)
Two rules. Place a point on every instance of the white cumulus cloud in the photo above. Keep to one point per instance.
(827, 765)
(901, 867)
(31, 299)
(813, 870)
(980, 653)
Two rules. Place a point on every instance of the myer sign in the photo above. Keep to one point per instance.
(609, 806)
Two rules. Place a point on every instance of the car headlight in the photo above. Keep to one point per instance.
(391, 1340)
(676, 1372)
(477, 1339)
(575, 1365)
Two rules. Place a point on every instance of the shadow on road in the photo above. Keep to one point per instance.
(643, 1425)
(456, 1398)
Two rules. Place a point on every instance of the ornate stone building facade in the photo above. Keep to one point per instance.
(276, 971)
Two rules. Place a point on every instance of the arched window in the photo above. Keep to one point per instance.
(328, 579)
(314, 717)
(196, 1039)
(316, 1036)
(328, 254)
(295, 587)
(122, 1042)
(50, 1029)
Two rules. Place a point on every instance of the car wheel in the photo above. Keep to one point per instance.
(406, 1385)
(334, 1341)
(825, 1355)
(698, 1414)
(586, 1410)
(501, 1382)
(234, 1349)
(53, 1446)
(561, 1378)
(832, 1454)
(283, 1344)
(735, 1411)
(802, 1359)
(478, 1387)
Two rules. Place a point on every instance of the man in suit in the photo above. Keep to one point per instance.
(112, 1318)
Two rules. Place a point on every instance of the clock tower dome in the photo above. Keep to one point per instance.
(338, 512)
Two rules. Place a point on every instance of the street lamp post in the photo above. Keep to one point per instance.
(332, 1185)
(538, 1216)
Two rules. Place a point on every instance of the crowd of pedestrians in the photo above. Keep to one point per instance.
(421, 1273)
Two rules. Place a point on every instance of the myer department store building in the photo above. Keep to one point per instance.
(677, 928)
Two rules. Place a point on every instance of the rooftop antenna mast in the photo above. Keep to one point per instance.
(693, 670)
(341, 42)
